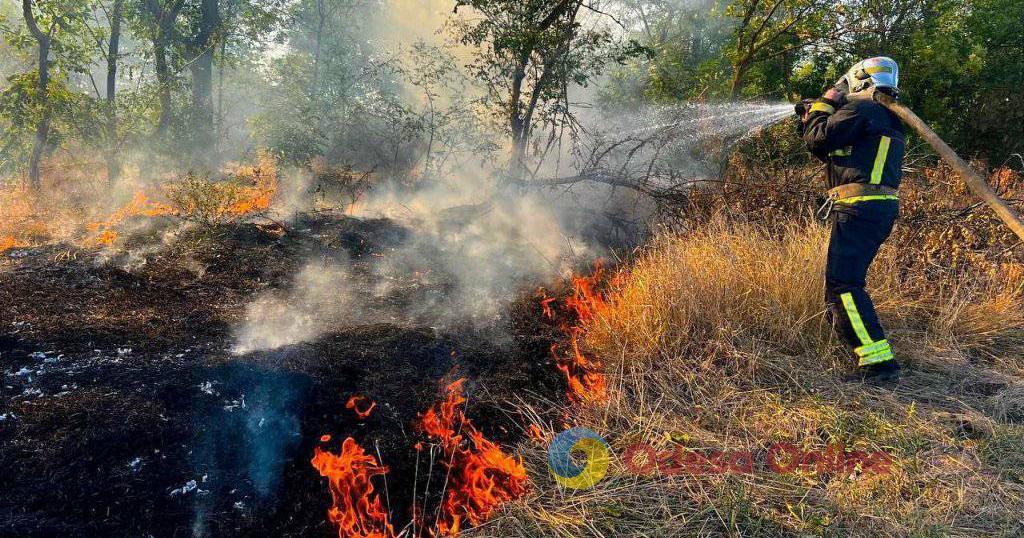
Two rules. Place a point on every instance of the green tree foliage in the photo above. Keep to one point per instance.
(204, 38)
(994, 117)
(37, 100)
(343, 98)
(686, 44)
(528, 52)
(198, 81)
(325, 86)
(960, 59)
(772, 33)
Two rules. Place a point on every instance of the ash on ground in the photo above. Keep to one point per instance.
(180, 390)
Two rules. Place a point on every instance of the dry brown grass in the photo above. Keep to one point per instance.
(716, 340)
(77, 205)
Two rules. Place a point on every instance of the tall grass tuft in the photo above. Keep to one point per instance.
(716, 339)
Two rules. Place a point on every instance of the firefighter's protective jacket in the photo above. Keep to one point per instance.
(861, 142)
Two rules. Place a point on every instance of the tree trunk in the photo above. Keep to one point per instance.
(322, 19)
(113, 159)
(202, 79)
(219, 126)
(516, 126)
(164, 81)
(520, 116)
(739, 70)
(517, 168)
(43, 124)
(164, 16)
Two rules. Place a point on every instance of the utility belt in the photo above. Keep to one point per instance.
(853, 193)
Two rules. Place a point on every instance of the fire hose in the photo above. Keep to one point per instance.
(973, 179)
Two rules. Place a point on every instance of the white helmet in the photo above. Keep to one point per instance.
(878, 72)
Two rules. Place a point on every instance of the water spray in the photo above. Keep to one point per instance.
(724, 119)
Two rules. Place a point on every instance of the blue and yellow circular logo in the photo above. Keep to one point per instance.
(583, 443)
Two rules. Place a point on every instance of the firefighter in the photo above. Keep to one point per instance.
(862, 144)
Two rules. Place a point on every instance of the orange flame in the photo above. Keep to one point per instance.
(585, 301)
(545, 304)
(362, 412)
(24, 217)
(584, 375)
(258, 197)
(140, 205)
(8, 242)
(536, 434)
(252, 191)
(482, 476)
(356, 508)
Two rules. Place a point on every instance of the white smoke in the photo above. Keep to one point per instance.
(467, 254)
(319, 298)
(483, 247)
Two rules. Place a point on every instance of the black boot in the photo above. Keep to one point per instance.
(883, 372)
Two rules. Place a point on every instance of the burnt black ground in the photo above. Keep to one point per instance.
(125, 413)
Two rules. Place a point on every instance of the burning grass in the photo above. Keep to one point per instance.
(716, 340)
(584, 373)
(479, 476)
(358, 404)
(356, 510)
(247, 190)
(22, 222)
(74, 212)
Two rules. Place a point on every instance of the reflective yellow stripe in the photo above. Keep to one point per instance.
(886, 348)
(842, 152)
(855, 199)
(822, 107)
(883, 153)
(871, 349)
(880, 352)
(867, 361)
(855, 321)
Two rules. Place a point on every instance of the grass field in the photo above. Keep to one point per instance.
(715, 339)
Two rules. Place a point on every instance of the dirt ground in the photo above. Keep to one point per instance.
(124, 412)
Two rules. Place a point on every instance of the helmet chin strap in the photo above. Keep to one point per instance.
(843, 84)
(867, 94)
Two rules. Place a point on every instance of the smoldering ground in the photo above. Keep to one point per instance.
(122, 397)
(464, 255)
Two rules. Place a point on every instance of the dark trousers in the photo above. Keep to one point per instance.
(858, 230)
